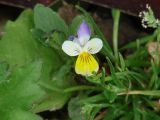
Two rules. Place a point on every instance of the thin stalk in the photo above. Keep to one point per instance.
(82, 87)
(116, 17)
(93, 99)
(157, 50)
(139, 92)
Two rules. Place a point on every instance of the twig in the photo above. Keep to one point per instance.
(101, 115)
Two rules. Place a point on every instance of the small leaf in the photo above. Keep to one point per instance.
(122, 62)
(19, 48)
(111, 96)
(47, 20)
(112, 69)
(17, 114)
(75, 109)
(150, 115)
(4, 72)
(20, 78)
(20, 92)
(56, 98)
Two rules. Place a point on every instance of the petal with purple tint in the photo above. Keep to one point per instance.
(83, 33)
(71, 37)
(74, 39)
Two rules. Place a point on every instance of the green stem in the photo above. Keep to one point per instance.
(116, 17)
(82, 87)
(139, 92)
(158, 42)
(93, 99)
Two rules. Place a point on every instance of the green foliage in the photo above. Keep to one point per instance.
(19, 48)
(4, 72)
(47, 20)
(17, 114)
(56, 98)
(130, 89)
(16, 97)
(36, 76)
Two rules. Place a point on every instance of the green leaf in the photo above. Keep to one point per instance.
(4, 72)
(113, 75)
(142, 41)
(150, 115)
(122, 62)
(83, 107)
(127, 116)
(41, 36)
(47, 20)
(115, 111)
(56, 42)
(136, 108)
(56, 98)
(75, 109)
(111, 115)
(19, 48)
(17, 114)
(111, 96)
(21, 90)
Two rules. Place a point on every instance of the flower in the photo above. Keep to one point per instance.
(148, 18)
(83, 47)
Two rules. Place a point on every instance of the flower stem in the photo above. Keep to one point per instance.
(116, 17)
(81, 87)
(139, 92)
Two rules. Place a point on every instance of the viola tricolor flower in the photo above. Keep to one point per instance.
(83, 47)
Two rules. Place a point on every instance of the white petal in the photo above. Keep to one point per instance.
(93, 46)
(75, 40)
(83, 39)
(71, 48)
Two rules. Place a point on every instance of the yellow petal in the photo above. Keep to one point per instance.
(86, 64)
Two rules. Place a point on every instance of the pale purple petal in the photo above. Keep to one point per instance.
(83, 33)
(83, 29)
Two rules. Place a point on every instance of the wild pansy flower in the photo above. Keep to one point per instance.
(82, 46)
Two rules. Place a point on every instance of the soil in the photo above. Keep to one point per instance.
(7, 13)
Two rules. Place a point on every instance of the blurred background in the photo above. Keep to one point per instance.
(130, 27)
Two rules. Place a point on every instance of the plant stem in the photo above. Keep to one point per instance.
(116, 17)
(82, 87)
(101, 115)
(93, 99)
(139, 92)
